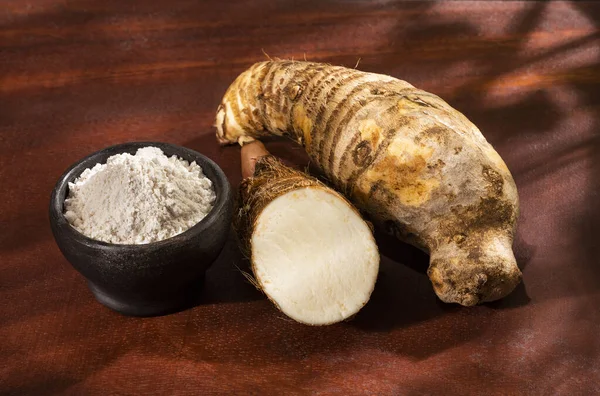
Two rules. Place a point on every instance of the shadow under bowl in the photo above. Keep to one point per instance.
(150, 279)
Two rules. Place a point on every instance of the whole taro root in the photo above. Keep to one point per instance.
(419, 167)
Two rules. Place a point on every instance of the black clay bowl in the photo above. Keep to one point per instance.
(150, 279)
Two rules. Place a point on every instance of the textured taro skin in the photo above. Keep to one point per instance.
(418, 167)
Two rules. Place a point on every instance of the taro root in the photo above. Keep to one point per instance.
(417, 166)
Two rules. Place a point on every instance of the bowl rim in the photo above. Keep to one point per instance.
(61, 187)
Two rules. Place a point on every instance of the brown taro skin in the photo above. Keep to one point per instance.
(250, 154)
(419, 167)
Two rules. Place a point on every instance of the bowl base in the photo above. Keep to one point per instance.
(175, 303)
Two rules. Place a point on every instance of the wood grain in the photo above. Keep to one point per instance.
(81, 75)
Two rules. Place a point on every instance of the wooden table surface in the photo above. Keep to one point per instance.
(81, 75)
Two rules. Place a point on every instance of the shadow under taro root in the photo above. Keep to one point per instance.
(224, 281)
(403, 293)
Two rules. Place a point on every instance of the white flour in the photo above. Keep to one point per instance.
(141, 198)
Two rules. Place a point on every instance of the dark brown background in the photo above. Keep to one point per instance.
(81, 75)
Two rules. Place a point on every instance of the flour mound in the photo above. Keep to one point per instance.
(137, 199)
